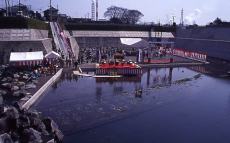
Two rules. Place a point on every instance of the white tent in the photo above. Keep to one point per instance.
(130, 41)
(52, 55)
(26, 58)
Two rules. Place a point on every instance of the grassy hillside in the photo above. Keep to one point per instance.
(22, 23)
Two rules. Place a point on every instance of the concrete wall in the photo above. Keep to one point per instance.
(121, 34)
(205, 33)
(47, 44)
(23, 40)
(109, 39)
(22, 34)
(75, 47)
(6, 47)
(215, 42)
(93, 42)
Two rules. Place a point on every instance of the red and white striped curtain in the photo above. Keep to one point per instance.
(27, 63)
(189, 54)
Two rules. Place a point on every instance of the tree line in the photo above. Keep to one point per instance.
(121, 15)
(219, 23)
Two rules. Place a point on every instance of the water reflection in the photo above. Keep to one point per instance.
(155, 77)
(201, 69)
(130, 79)
(78, 103)
(68, 76)
(98, 94)
(117, 89)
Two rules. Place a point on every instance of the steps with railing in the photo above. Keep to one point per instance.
(60, 41)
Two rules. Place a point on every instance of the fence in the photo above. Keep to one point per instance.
(121, 71)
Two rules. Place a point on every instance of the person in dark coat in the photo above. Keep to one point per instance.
(76, 64)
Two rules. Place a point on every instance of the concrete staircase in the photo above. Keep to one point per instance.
(60, 39)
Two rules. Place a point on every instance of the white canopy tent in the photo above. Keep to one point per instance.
(130, 41)
(52, 55)
(26, 58)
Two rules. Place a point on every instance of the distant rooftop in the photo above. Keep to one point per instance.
(20, 4)
(1, 9)
(52, 9)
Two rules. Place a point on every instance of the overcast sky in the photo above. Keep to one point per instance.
(200, 11)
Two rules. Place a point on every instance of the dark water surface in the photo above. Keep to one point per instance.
(163, 106)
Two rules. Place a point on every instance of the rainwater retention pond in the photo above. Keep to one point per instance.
(162, 106)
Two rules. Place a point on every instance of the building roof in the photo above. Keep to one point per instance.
(2, 10)
(21, 5)
(52, 9)
(15, 8)
(26, 56)
(63, 15)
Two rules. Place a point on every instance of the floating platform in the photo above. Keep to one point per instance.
(82, 74)
(95, 76)
(107, 76)
(124, 69)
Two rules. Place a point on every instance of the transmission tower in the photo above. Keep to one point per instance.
(96, 10)
(182, 18)
(93, 10)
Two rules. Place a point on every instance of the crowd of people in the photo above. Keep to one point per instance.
(156, 53)
(94, 55)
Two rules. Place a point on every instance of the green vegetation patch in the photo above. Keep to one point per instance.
(22, 23)
(117, 27)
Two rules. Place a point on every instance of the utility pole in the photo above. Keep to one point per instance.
(58, 14)
(7, 12)
(19, 6)
(173, 18)
(51, 10)
(9, 8)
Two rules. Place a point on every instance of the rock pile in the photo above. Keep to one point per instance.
(27, 127)
(16, 84)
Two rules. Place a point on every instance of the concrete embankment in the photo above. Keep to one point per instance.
(40, 92)
(215, 42)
